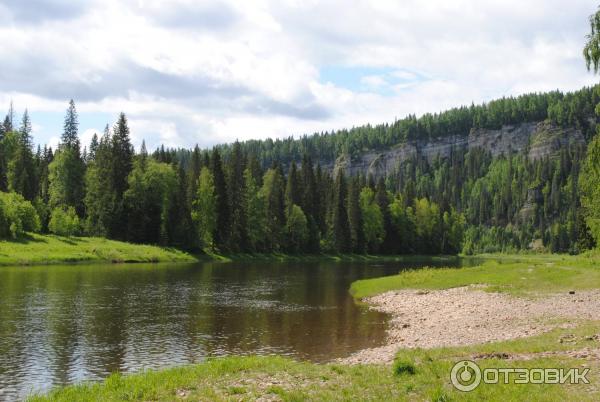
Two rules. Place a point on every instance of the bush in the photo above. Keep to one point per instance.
(17, 216)
(402, 367)
(64, 222)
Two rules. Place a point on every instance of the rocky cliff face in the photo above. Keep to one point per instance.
(537, 139)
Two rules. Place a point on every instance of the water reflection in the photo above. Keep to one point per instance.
(64, 324)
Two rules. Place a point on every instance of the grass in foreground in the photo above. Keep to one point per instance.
(517, 275)
(417, 375)
(49, 249)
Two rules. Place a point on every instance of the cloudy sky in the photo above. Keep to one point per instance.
(207, 72)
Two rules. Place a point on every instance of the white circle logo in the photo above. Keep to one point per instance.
(465, 375)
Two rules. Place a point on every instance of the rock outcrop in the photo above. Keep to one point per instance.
(537, 139)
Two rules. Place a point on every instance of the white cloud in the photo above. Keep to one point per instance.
(214, 71)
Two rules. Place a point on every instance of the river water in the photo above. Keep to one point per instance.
(65, 324)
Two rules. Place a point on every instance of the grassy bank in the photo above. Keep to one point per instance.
(48, 249)
(35, 249)
(518, 275)
(282, 257)
(417, 375)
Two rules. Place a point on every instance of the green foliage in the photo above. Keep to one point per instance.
(64, 222)
(101, 201)
(17, 216)
(255, 212)
(372, 218)
(66, 176)
(403, 367)
(589, 183)
(296, 228)
(272, 195)
(204, 212)
(591, 50)
(148, 200)
(49, 249)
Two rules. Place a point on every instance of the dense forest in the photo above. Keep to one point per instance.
(275, 196)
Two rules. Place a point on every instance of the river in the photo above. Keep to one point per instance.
(65, 324)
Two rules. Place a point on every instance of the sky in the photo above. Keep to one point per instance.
(189, 72)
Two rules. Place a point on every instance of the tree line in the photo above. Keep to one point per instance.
(236, 198)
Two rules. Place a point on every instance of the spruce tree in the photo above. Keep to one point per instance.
(223, 215)
(355, 217)
(340, 226)
(67, 171)
(238, 237)
(309, 203)
(70, 136)
(21, 168)
(293, 192)
(122, 155)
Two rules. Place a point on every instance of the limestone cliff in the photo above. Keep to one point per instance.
(537, 139)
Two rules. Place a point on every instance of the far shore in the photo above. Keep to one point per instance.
(35, 249)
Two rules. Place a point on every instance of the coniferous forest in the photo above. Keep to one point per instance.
(283, 196)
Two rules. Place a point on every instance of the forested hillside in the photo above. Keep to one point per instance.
(493, 177)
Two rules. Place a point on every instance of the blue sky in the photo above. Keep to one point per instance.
(209, 72)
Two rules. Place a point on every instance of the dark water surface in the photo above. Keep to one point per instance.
(64, 324)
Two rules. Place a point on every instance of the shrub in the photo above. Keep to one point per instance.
(402, 367)
(17, 216)
(64, 222)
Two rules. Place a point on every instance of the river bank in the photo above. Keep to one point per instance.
(518, 312)
(35, 249)
(500, 300)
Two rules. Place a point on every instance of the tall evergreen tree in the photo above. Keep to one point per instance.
(21, 168)
(67, 171)
(100, 196)
(293, 191)
(238, 237)
(340, 226)
(355, 217)
(204, 209)
(223, 215)
(70, 136)
(272, 193)
(122, 165)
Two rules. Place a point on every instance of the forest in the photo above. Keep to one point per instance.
(275, 196)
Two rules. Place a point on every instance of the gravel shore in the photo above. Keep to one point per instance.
(469, 315)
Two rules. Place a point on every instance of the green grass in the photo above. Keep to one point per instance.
(35, 249)
(48, 249)
(517, 275)
(418, 375)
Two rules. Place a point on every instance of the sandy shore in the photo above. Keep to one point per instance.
(469, 315)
